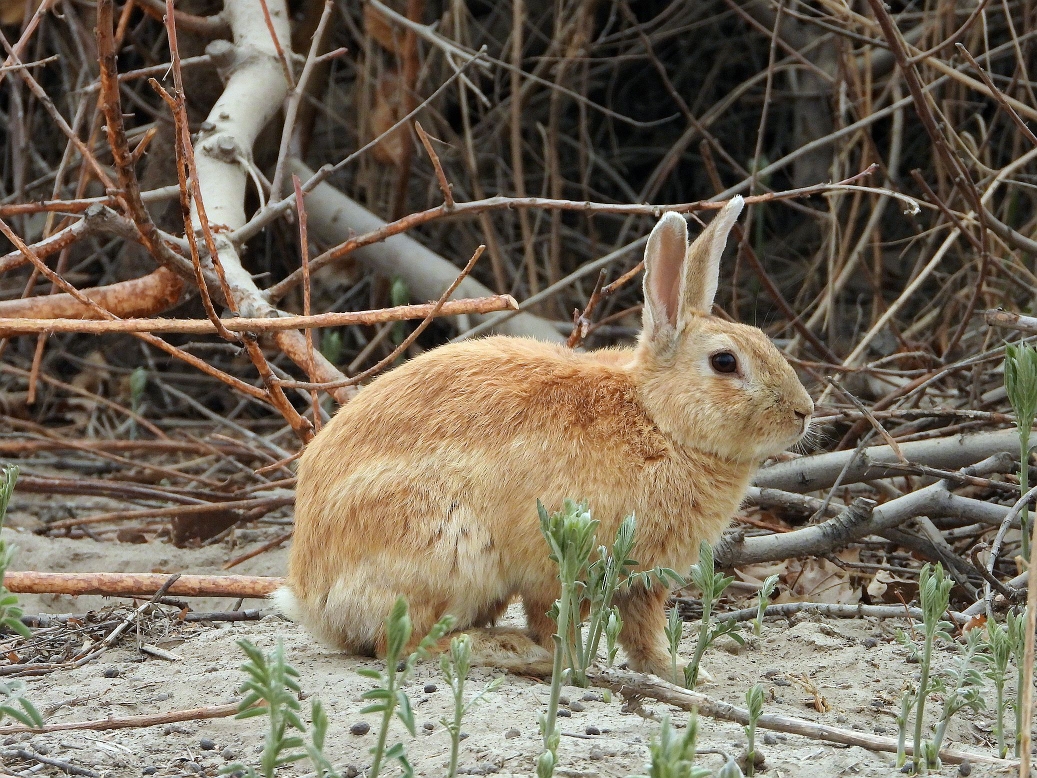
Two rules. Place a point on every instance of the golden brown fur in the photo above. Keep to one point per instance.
(425, 485)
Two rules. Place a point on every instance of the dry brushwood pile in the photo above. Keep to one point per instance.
(220, 222)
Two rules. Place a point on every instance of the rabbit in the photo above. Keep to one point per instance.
(426, 484)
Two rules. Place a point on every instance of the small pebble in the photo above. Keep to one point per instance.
(592, 730)
(591, 697)
(965, 768)
(908, 768)
(511, 734)
(770, 740)
(428, 726)
(563, 700)
(564, 713)
(401, 666)
(41, 748)
(207, 745)
(840, 719)
(577, 707)
(430, 687)
(10, 741)
(150, 770)
(193, 767)
(463, 736)
(111, 672)
(870, 643)
(879, 730)
(596, 753)
(228, 753)
(360, 728)
(351, 771)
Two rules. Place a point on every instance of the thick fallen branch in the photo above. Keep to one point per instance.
(46, 324)
(334, 218)
(139, 584)
(131, 722)
(154, 293)
(629, 683)
(808, 474)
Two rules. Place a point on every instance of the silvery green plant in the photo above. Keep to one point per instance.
(997, 659)
(673, 754)
(961, 689)
(455, 665)
(907, 700)
(138, 383)
(934, 593)
(674, 631)
(1016, 628)
(389, 697)
(571, 536)
(711, 584)
(763, 599)
(271, 681)
(10, 612)
(1021, 387)
(12, 703)
(754, 704)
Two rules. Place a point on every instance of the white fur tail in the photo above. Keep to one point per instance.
(287, 604)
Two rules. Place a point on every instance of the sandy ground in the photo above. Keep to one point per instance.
(856, 668)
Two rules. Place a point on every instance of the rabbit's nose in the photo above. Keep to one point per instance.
(801, 415)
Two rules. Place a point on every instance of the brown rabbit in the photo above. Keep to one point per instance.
(425, 485)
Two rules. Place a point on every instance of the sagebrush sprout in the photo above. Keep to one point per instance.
(754, 704)
(763, 599)
(934, 593)
(10, 612)
(712, 584)
(271, 690)
(1016, 627)
(907, 700)
(389, 697)
(455, 665)
(571, 536)
(1021, 387)
(13, 703)
(673, 754)
(997, 658)
(674, 631)
(961, 689)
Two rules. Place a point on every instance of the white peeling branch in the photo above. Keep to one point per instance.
(334, 218)
(255, 91)
(808, 474)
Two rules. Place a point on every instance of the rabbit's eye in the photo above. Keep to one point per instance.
(724, 362)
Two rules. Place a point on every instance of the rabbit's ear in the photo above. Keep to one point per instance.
(702, 263)
(664, 258)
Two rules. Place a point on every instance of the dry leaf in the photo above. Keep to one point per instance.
(385, 34)
(15, 12)
(385, 113)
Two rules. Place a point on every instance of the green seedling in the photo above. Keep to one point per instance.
(907, 700)
(754, 704)
(961, 689)
(763, 599)
(613, 627)
(934, 591)
(711, 584)
(400, 295)
(331, 346)
(1021, 387)
(12, 702)
(455, 666)
(388, 697)
(272, 691)
(1016, 628)
(138, 383)
(674, 631)
(997, 659)
(10, 612)
(673, 754)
